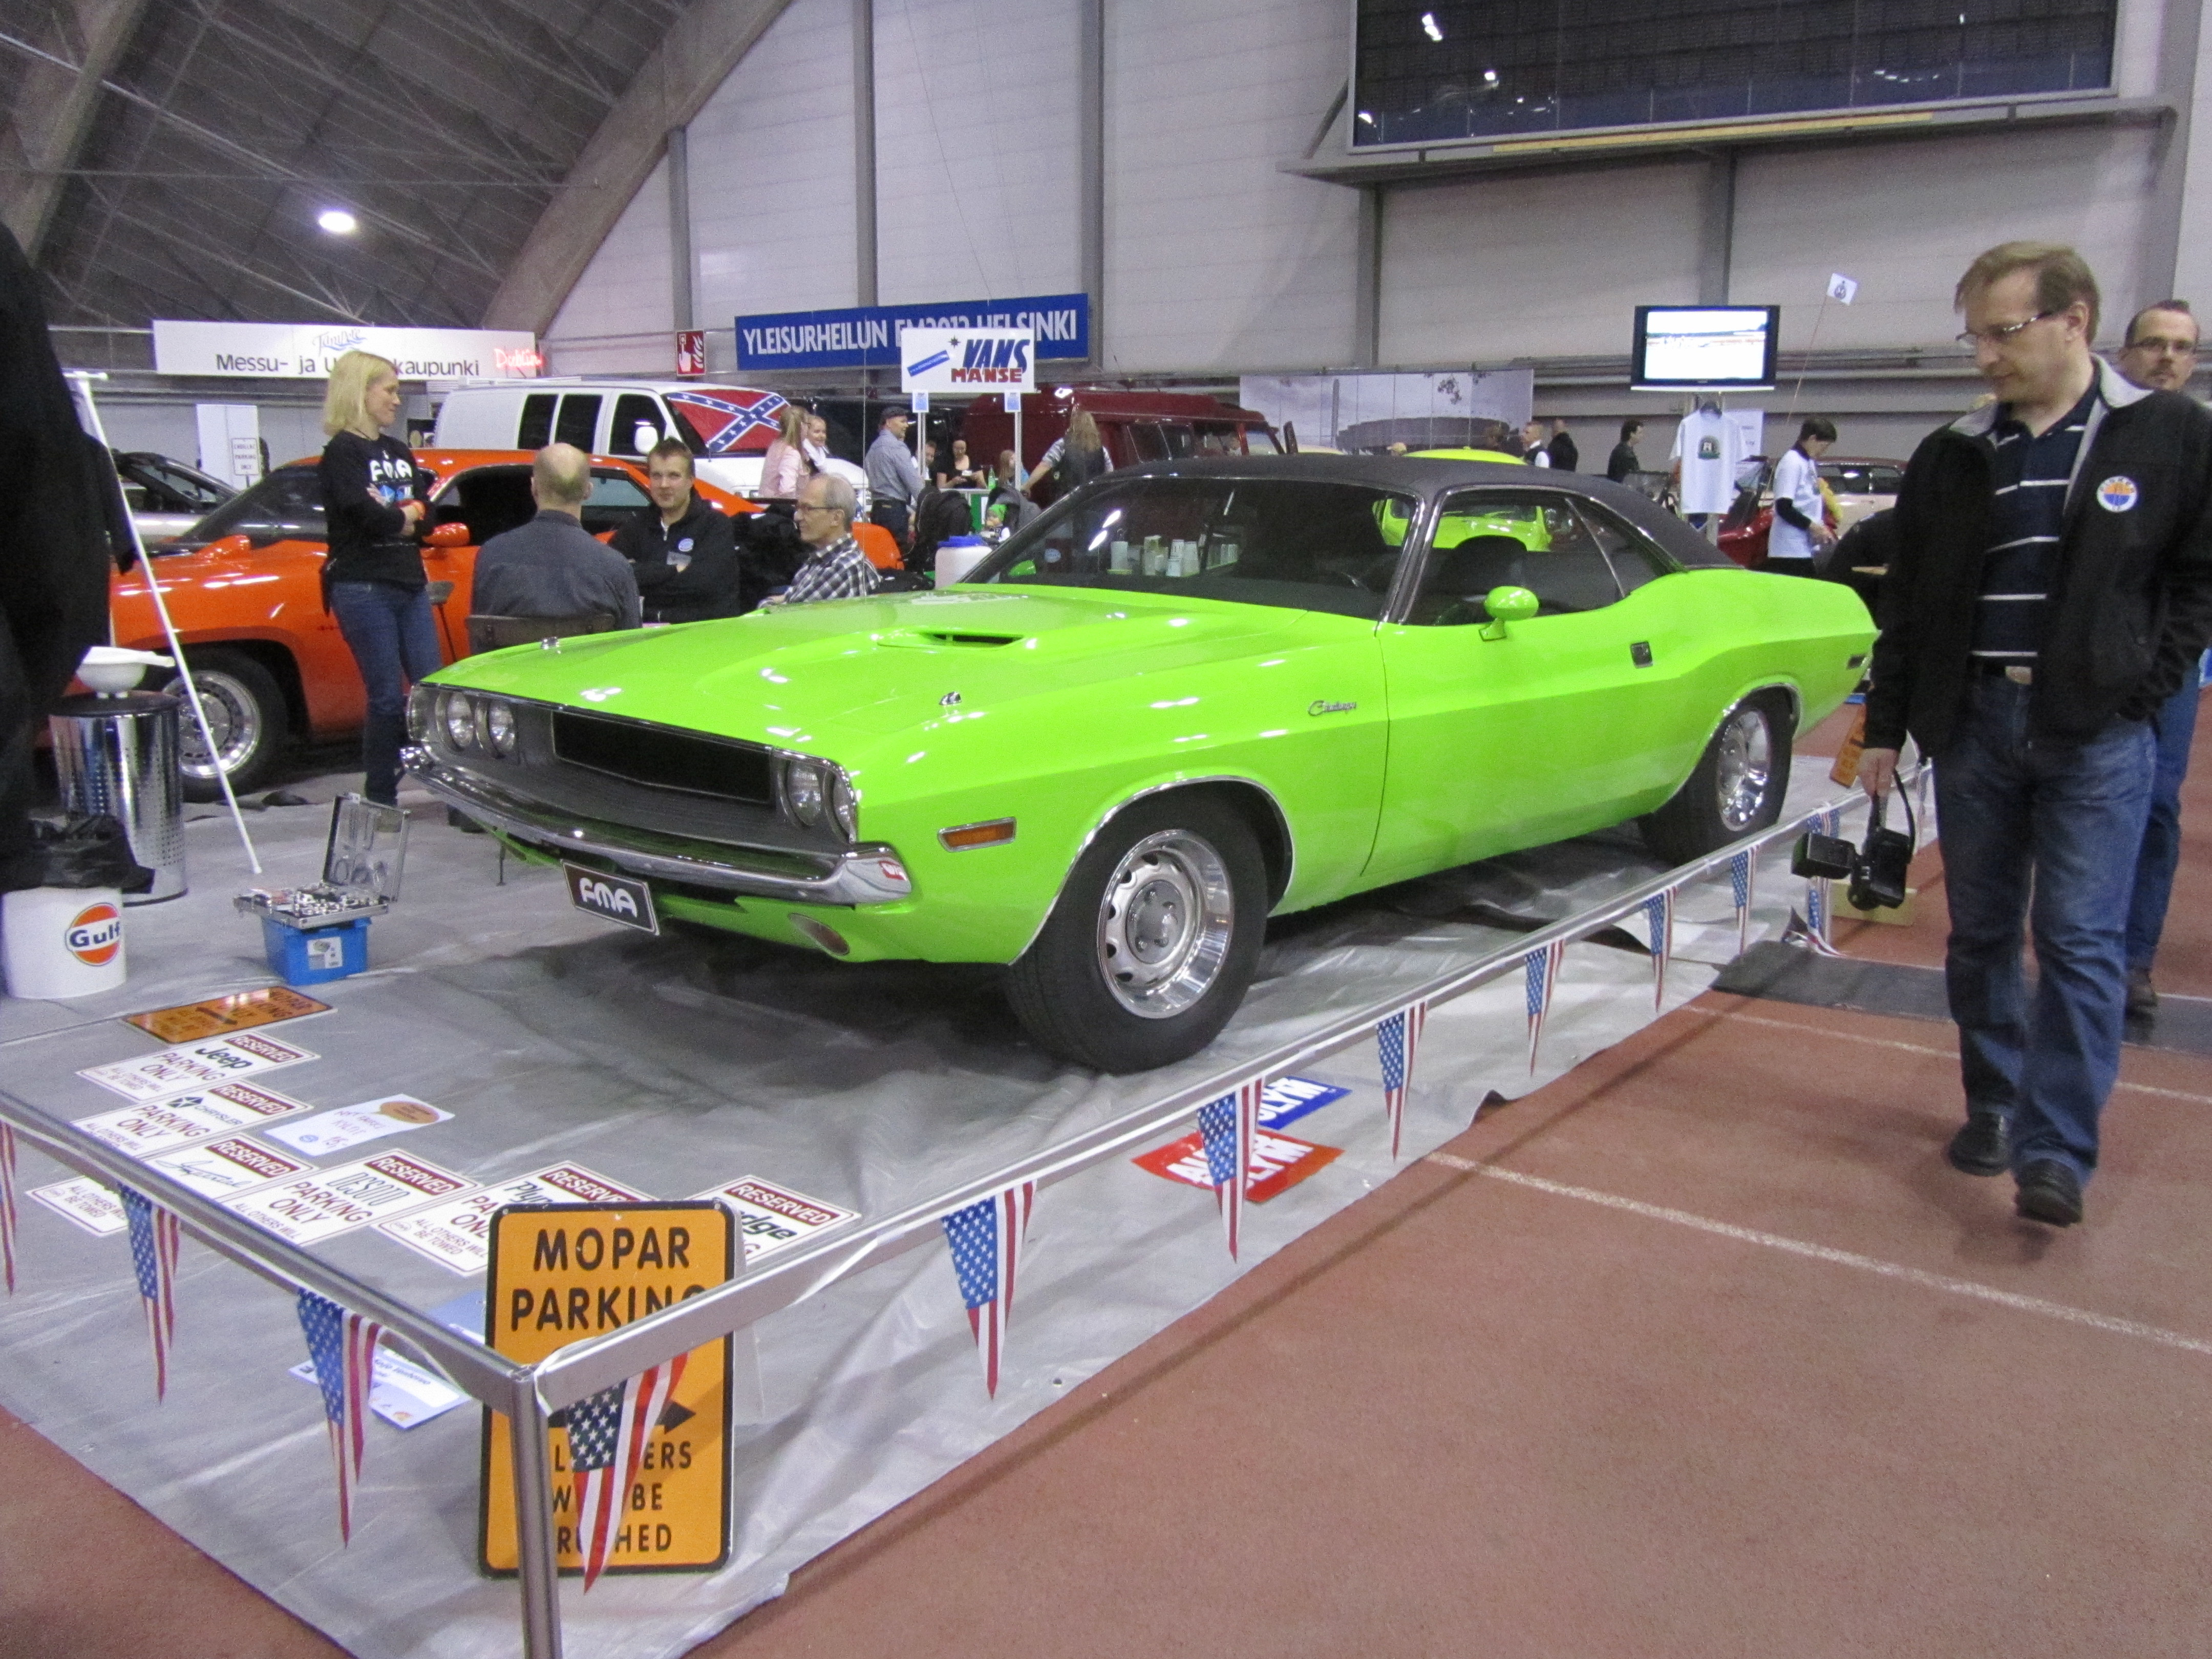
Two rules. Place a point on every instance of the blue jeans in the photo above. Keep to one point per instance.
(2021, 816)
(2175, 724)
(394, 640)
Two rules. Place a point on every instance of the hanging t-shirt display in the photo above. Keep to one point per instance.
(1709, 447)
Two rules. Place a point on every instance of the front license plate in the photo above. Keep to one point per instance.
(613, 898)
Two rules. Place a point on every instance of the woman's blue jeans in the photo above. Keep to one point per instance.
(394, 640)
(2040, 833)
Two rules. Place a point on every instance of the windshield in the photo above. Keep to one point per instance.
(1301, 543)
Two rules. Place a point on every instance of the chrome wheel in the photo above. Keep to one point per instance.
(235, 721)
(1743, 775)
(1164, 924)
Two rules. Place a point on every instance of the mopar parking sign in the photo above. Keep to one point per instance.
(617, 898)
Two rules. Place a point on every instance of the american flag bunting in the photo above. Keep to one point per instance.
(1228, 1129)
(1659, 914)
(342, 1347)
(153, 1243)
(607, 1438)
(1541, 968)
(986, 1239)
(8, 1206)
(1396, 1039)
(1819, 921)
(1739, 874)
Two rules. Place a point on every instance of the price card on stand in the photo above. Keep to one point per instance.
(638, 1495)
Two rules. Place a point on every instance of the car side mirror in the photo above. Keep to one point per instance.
(447, 535)
(1507, 604)
(643, 436)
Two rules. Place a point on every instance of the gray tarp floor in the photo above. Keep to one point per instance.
(672, 1064)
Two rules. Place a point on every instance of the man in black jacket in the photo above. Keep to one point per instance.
(54, 550)
(2053, 582)
(680, 548)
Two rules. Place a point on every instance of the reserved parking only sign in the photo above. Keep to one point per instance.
(640, 1496)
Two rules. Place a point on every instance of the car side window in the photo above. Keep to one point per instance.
(536, 430)
(1488, 538)
(613, 503)
(1635, 561)
(637, 425)
(286, 506)
(489, 500)
(579, 422)
(1151, 444)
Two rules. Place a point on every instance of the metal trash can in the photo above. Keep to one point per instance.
(118, 755)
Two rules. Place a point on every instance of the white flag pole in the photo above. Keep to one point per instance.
(84, 379)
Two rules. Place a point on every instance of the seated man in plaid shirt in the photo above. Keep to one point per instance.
(836, 568)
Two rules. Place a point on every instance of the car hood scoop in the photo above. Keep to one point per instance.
(946, 639)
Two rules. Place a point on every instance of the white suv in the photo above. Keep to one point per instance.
(728, 428)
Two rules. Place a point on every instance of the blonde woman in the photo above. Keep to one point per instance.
(372, 579)
(1074, 460)
(785, 467)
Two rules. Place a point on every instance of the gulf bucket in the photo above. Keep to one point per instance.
(61, 941)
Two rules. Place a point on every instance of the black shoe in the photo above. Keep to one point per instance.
(2049, 1192)
(1984, 1147)
(2143, 1000)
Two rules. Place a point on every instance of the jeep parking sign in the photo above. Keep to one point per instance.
(617, 898)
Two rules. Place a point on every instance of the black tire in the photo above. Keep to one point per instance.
(1176, 857)
(247, 714)
(1737, 787)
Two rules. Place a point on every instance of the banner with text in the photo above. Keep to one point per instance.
(867, 337)
(965, 361)
(309, 351)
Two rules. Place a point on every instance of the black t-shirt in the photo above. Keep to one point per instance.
(364, 482)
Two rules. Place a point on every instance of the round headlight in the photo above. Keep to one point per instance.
(499, 726)
(845, 804)
(460, 720)
(802, 792)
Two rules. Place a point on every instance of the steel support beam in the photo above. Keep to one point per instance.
(53, 113)
(2161, 263)
(679, 227)
(1367, 282)
(693, 60)
(1716, 230)
(864, 266)
(1090, 150)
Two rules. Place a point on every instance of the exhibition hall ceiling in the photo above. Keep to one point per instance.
(223, 133)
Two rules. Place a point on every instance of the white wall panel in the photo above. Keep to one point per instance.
(1215, 259)
(1520, 266)
(1906, 220)
(625, 293)
(772, 172)
(975, 149)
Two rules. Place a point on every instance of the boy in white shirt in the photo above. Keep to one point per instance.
(1800, 533)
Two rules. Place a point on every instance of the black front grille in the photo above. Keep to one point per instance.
(662, 759)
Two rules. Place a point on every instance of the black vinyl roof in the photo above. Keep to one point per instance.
(1431, 476)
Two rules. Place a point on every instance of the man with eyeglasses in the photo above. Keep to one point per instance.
(836, 568)
(2052, 587)
(2160, 353)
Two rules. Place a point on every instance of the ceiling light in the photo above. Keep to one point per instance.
(1429, 25)
(337, 221)
(1489, 77)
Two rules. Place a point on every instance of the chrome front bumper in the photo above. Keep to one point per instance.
(859, 875)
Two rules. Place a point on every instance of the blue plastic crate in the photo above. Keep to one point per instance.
(308, 956)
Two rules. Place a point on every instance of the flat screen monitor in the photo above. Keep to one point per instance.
(1723, 348)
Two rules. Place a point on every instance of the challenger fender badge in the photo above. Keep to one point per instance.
(949, 700)
(1321, 705)
(2118, 493)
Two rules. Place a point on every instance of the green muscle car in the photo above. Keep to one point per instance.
(1191, 695)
